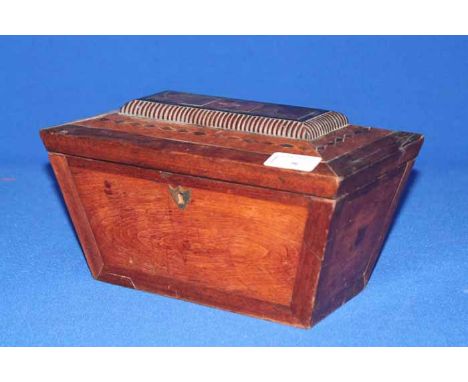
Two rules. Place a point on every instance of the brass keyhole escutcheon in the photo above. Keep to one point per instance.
(180, 195)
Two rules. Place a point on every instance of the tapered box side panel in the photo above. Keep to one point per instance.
(77, 213)
(241, 248)
(358, 230)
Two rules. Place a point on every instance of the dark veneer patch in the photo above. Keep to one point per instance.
(262, 109)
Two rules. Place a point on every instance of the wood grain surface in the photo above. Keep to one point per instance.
(230, 242)
(193, 213)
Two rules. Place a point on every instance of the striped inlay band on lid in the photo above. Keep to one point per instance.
(247, 116)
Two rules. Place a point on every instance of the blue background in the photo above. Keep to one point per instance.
(418, 294)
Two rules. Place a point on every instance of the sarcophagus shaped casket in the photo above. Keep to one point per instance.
(274, 211)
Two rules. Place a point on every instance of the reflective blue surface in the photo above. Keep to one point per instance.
(418, 294)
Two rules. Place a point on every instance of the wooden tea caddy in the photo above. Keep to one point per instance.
(171, 195)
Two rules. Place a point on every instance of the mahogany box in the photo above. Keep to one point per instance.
(273, 211)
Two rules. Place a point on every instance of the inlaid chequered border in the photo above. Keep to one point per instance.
(308, 130)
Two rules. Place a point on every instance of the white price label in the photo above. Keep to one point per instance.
(293, 161)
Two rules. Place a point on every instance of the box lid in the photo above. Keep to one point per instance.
(230, 140)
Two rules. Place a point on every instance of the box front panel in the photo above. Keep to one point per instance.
(234, 240)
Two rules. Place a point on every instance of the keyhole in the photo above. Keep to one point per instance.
(180, 198)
